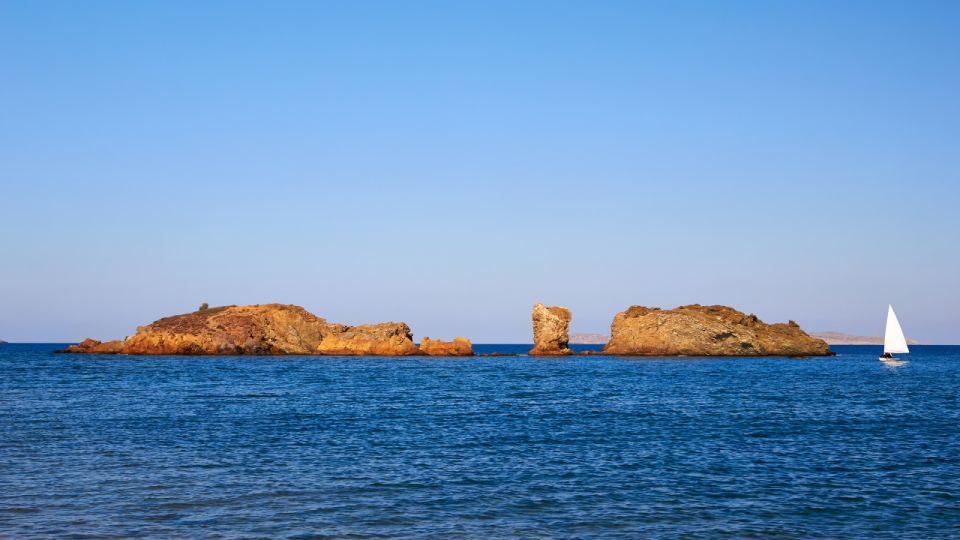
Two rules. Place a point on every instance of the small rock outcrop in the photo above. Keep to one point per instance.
(385, 339)
(92, 346)
(435, 347)
(550, 331)
(697, 330)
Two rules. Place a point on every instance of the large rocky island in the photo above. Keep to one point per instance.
(697, 330)
(269, 329)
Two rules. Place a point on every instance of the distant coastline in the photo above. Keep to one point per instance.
(589, 339)
(839, 338)
(831, 337)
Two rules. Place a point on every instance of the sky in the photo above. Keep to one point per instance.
(449, 164)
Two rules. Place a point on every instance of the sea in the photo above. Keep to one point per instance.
(482, 447)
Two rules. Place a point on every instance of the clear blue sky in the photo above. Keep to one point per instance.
(448, 164)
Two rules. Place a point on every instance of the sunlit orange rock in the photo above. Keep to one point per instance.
(92, 346)
(384, 339)
(435, 347)
(260, 329)
(697, 330)
(551, 327)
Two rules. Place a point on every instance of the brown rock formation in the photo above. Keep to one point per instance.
(550, 327)
(385, 339)
(458, 347)
(697, 330)
(260, 329)
(92, 346)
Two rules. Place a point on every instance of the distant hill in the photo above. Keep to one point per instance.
(2, 342)
(839, 338)
(589, 339)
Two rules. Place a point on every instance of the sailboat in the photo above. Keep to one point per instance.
(893, 340)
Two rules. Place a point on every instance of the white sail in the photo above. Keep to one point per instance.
(893, 340)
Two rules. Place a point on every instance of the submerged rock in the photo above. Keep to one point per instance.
(697, 330)
(550, 331)
(435, 347)
(385, 339)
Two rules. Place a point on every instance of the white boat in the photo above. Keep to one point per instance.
(893, 340)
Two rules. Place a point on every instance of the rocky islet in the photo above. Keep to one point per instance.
(696, 330)
(283, 329)
(269, 329)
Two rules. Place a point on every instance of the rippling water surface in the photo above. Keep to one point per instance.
(101, 446)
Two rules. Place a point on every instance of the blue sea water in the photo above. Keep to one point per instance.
(498, 447)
